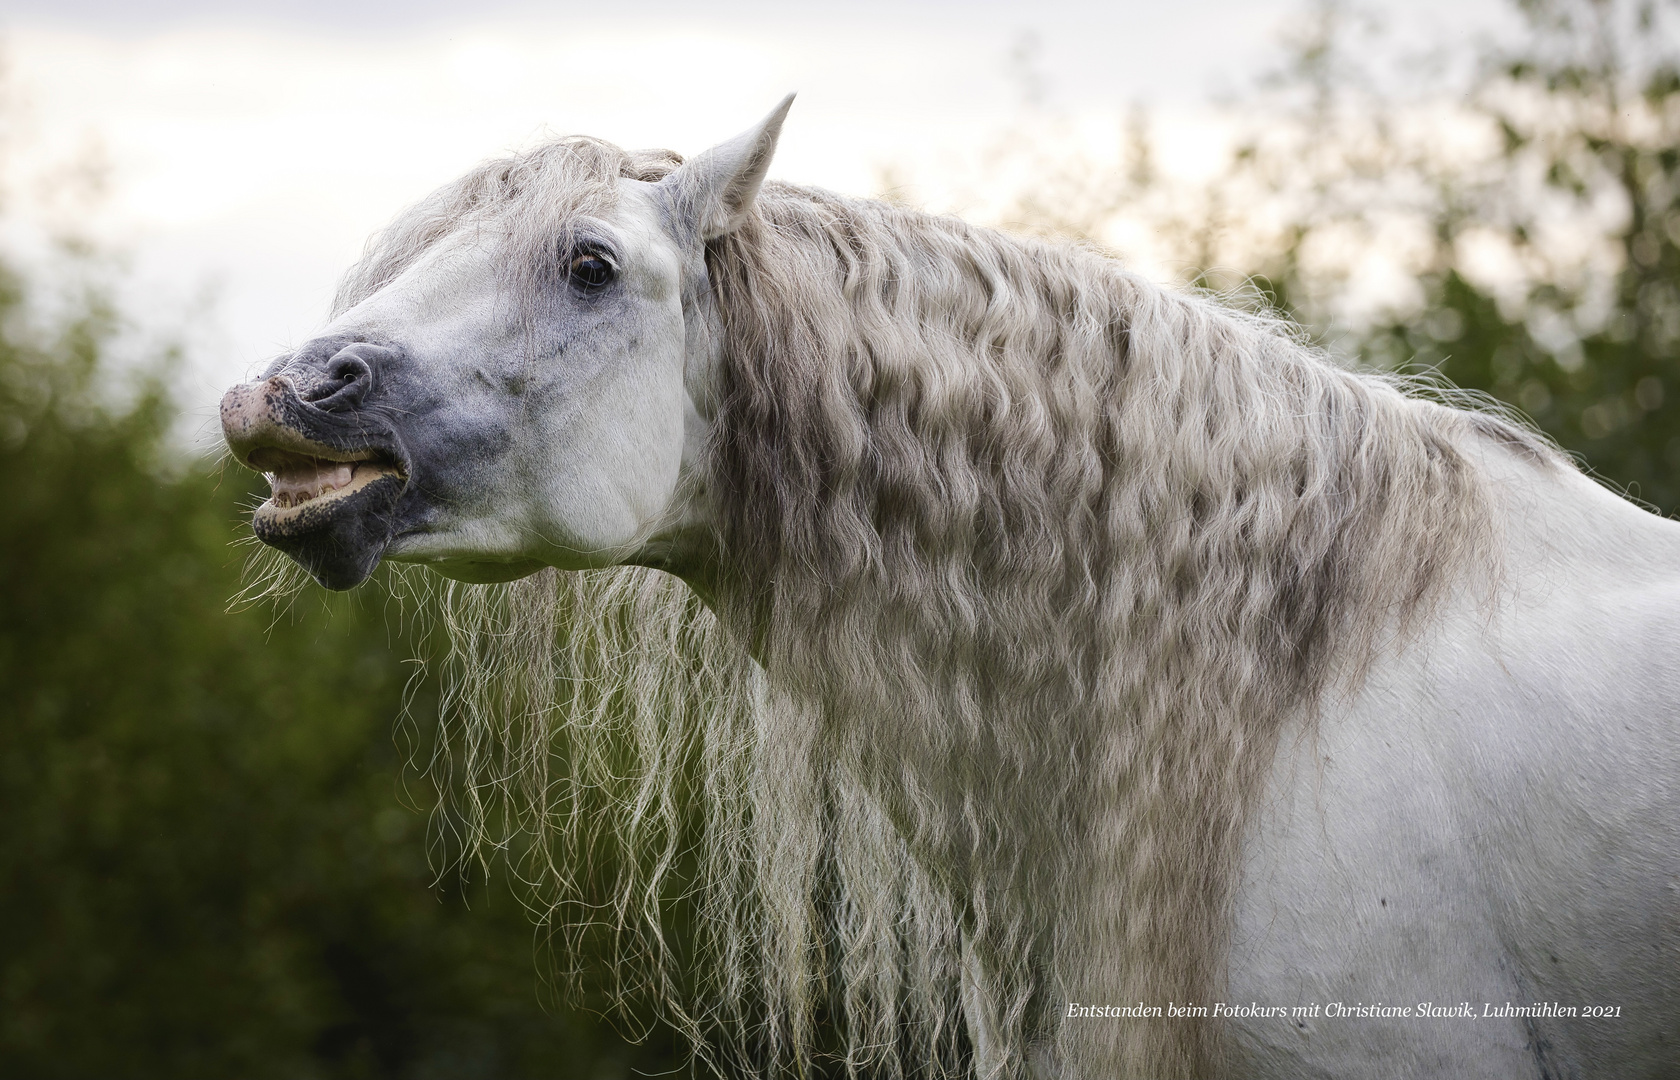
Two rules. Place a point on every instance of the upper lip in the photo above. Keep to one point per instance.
(270, 458)
(269, 428)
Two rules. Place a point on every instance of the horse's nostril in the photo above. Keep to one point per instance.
(346, 381)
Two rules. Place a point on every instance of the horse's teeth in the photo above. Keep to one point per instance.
(309, 479)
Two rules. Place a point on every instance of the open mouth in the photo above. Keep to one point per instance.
(301, 481)
(333, 496)
(330, 513)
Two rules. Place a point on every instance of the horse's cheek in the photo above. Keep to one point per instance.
(622, 456)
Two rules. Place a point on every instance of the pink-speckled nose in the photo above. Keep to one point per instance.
(254, 418)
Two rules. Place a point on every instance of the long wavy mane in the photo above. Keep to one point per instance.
(1025, 566)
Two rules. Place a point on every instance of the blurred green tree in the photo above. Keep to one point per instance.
(1588, 345)
(1548, 275)
(207, 868)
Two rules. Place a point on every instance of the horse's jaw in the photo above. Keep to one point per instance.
(340, 535)
(334, 486)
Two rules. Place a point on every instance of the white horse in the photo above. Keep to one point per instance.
(1110, 651)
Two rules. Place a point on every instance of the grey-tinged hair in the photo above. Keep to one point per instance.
(1025, 565)
(533, 200)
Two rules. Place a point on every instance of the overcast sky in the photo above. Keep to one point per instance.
(251, 147)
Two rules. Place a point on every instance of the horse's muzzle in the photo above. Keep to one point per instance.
(335, 474)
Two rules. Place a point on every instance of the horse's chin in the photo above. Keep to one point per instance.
(340, 534)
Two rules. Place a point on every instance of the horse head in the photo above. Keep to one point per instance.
(525, 382)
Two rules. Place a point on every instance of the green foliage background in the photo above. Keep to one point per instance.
(206, 869)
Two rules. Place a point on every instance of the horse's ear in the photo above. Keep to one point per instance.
(716, 189)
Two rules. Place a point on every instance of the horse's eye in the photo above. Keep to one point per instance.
(590, 271)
